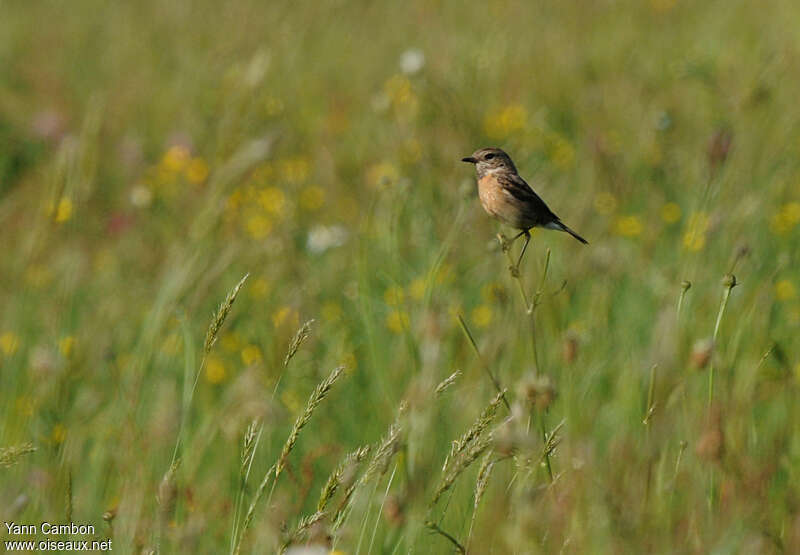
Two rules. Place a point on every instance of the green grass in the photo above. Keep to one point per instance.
(152, 154)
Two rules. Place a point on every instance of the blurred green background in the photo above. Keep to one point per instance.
(152, 153)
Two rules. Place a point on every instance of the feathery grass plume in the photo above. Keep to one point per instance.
(385, 450)
(484, 473)
(317, 396)
(447, 382)
(302, 527)
(167, 490)
(166, 498)
(9, 456)
(474, 431)
(220, 315)
(551, 441)
(377, 466)
(188, 393)
(482, 481)
(298, 339)
(468, 456)
(249, 444)
(319, 393)
(348, 465)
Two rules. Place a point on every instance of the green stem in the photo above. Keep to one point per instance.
(730, 283)
(486, 368)
(530, 309)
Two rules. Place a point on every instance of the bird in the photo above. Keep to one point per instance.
(507, 197)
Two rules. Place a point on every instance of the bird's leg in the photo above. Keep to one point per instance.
(515, 269)
(505, 244)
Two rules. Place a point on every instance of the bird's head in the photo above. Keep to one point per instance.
(490, 159)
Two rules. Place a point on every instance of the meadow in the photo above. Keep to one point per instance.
(250, 302)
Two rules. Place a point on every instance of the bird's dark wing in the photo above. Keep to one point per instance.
(535, 207)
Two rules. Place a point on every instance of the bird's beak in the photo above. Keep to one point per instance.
(469, 159)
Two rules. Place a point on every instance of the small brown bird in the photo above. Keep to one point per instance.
(507, 197)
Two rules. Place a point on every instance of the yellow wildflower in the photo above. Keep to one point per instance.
(411, 151)
(273, 200)
(562, 153)
(694, 239)
(197, 171)
(25, 405)
(455, 310)
(628, 226)
(215, 369)
(605, 203)
(417, 289)
(59, 433)
(291, 401)
(231, 341)
(382, 174)
(784, 290)
(263, 174)
(482, 316)
(296, 169)
(65, 345)
(670, 212)
(175, 159)
(9, 343)
(258, 226)
(312, 198)
(500, 123)
(398, 89)
(492, 291)
(285, 315)
(251, 354)
(445, 274)
(349, 361)
(331, 311)
(172, 344)
(784, 220)
(63, 211)
(394, 295)
(397, 321)
(260, 288)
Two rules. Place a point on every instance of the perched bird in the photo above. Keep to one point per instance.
(507, 197)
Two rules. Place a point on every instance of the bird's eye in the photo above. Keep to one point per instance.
(489, 156)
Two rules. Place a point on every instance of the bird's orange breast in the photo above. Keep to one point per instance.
(498, 203)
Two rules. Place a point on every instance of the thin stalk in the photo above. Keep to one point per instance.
(530, 309)
(648, 414)
(435, 527)
(730, 283)
(488, 370)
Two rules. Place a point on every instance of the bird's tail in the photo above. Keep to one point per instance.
(557, 225)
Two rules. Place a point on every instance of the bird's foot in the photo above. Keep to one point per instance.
(514, 271)
(505, 244)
